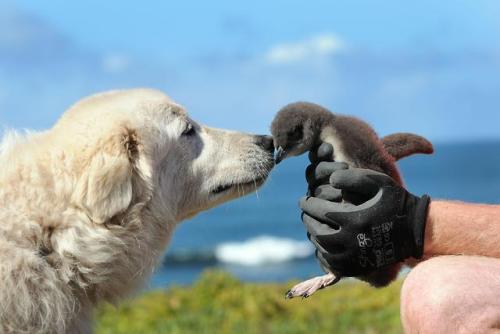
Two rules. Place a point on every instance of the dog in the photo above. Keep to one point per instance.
(89, 206)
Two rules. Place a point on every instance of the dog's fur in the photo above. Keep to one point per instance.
(88, 207)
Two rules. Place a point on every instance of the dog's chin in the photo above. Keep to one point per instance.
(226, 192)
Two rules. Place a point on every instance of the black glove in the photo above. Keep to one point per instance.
(354, 240)
(319, 171)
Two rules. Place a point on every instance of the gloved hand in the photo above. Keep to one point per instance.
(319, 171)
(354, 240)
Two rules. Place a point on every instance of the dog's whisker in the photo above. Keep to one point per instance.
(256, 189)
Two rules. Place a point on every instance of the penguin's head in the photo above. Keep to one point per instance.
(294, 131)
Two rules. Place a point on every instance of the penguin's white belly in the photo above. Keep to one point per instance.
(329, 135)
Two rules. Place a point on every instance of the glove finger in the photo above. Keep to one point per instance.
(320, 173)
(339, 214)
(317, 228)
(321, 210)
(364, 181)
(325, 168)
(323, 237)
(323, 152)
(327, 192)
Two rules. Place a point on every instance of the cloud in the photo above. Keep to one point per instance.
(316, 46)
(115, 63)
(26, 39)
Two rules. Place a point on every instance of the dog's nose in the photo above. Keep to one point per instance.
(266, 142)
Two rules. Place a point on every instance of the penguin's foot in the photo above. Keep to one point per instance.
(307, 288)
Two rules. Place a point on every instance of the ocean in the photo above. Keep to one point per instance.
(260, 237)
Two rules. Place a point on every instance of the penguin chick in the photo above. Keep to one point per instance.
(302, 126)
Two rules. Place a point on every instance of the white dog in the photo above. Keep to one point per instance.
(88, 207)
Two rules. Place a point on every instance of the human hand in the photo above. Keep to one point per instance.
(354, 240)
(319, 171)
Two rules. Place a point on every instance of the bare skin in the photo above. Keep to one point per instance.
(458, 289)
(462, 228)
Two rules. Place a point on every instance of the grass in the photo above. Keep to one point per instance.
(219, 303)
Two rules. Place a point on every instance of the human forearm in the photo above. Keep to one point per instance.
(462, 228)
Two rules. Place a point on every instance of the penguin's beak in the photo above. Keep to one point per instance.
(279, 155)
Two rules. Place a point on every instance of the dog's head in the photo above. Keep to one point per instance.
(138, 146)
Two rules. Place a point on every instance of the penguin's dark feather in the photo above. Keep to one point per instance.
(362, 146)
(401, 145)
(297, 118)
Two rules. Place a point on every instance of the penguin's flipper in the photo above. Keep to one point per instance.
(401, 145)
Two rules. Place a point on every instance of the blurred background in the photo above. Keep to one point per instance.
(429, 67)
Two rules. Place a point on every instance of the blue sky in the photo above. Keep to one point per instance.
(431, 67)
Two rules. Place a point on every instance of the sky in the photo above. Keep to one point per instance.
(429, 67)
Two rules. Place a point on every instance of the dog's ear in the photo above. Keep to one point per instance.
(401, 145)
(105, 187)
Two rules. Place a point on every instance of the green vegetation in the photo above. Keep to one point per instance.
(219, 303)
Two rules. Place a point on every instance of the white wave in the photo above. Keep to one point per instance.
(263, 250)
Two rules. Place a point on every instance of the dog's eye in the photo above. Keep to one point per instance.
(189, 130)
